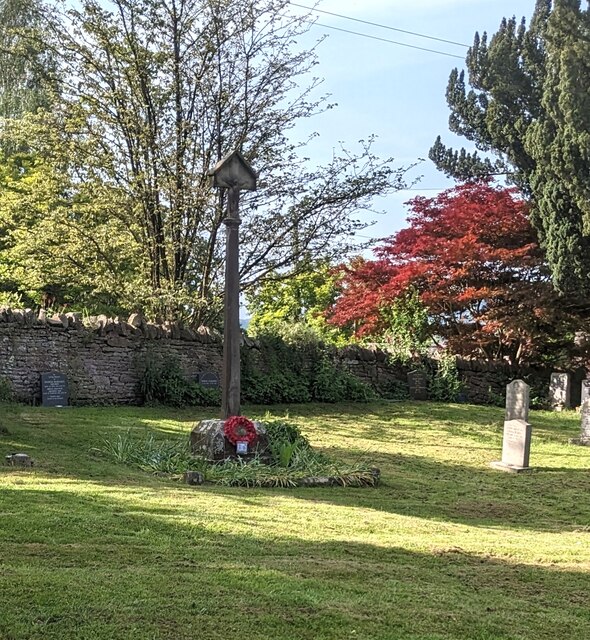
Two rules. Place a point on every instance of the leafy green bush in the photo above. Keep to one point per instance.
(445, 385)
(6, 393)
(164, 382)
(300, 370)
(330, 384)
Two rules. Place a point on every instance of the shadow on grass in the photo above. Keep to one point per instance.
(546, 499)
(75, 566)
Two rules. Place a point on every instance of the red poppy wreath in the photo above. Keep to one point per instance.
(239, 429)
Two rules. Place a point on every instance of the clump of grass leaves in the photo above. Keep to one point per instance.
(294, 462)
(150, 454)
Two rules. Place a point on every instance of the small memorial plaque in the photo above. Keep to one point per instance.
(241, 448)
(209, 380)
(54, 389)
(418, 385)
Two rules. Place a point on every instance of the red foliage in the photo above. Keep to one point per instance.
(474, 259)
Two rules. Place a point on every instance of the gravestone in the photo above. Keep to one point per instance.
(208, 379)
(560, 391)
(516, 442)
(584, 438)
(585, 391)
(54, 389)
(418, 385)
(517, 400)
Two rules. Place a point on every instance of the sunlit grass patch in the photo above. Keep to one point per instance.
(445, 548)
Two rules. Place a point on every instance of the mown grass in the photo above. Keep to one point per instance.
(445, 548)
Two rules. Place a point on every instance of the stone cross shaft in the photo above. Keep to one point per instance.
(234, 174)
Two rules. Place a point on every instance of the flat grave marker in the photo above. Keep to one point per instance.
(417, 384)
(54, 389)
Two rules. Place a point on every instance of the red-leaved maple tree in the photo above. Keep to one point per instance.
(474, 259)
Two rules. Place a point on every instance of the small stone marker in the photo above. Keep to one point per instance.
(585, 391)
(194, 477)
(19, 460)
(54, 389)
(584, 438)
(417, 384)
(560, 391)
(516, 443)
(208, 379)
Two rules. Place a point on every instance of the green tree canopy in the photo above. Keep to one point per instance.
(528, 111)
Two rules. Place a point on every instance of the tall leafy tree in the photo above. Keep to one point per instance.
(155, 93)
(527, 109)
(473, 258)
(27, 65)
(278, 305)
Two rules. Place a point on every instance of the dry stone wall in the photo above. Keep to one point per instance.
(105, 358)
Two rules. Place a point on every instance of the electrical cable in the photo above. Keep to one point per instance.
(401, 44)
(382, 26)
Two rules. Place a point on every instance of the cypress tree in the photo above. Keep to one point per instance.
(528, 107)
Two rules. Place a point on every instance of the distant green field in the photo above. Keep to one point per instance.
(444, 548)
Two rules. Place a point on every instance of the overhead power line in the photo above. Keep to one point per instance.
(401, 44)
(381, 26)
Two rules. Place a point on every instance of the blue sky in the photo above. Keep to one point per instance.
(392, 91)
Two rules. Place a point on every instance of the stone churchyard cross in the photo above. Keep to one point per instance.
(234, 174)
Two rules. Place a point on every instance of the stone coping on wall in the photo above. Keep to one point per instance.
(136, 326)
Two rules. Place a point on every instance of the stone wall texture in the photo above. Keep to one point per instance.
(105, 358)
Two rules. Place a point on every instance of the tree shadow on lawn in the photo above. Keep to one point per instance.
(542, 500)
(474, 422)
(91, 567)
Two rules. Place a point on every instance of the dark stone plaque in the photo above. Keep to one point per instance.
(418, 385)
(208, 379)
(54, 389)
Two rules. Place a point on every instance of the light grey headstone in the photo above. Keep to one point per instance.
(560, 391)
(585, 391)
(517, 400)
(584, 438)
(516, 442)
(585, 431)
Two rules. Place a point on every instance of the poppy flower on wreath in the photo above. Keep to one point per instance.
(239, 429)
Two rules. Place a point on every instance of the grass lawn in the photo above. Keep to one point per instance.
(445, 548)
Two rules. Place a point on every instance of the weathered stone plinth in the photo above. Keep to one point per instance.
(207, 440)
(509, 468)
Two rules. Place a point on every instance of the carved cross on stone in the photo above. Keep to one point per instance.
(234, 174)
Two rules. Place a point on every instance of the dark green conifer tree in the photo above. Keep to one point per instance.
(528, 111)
